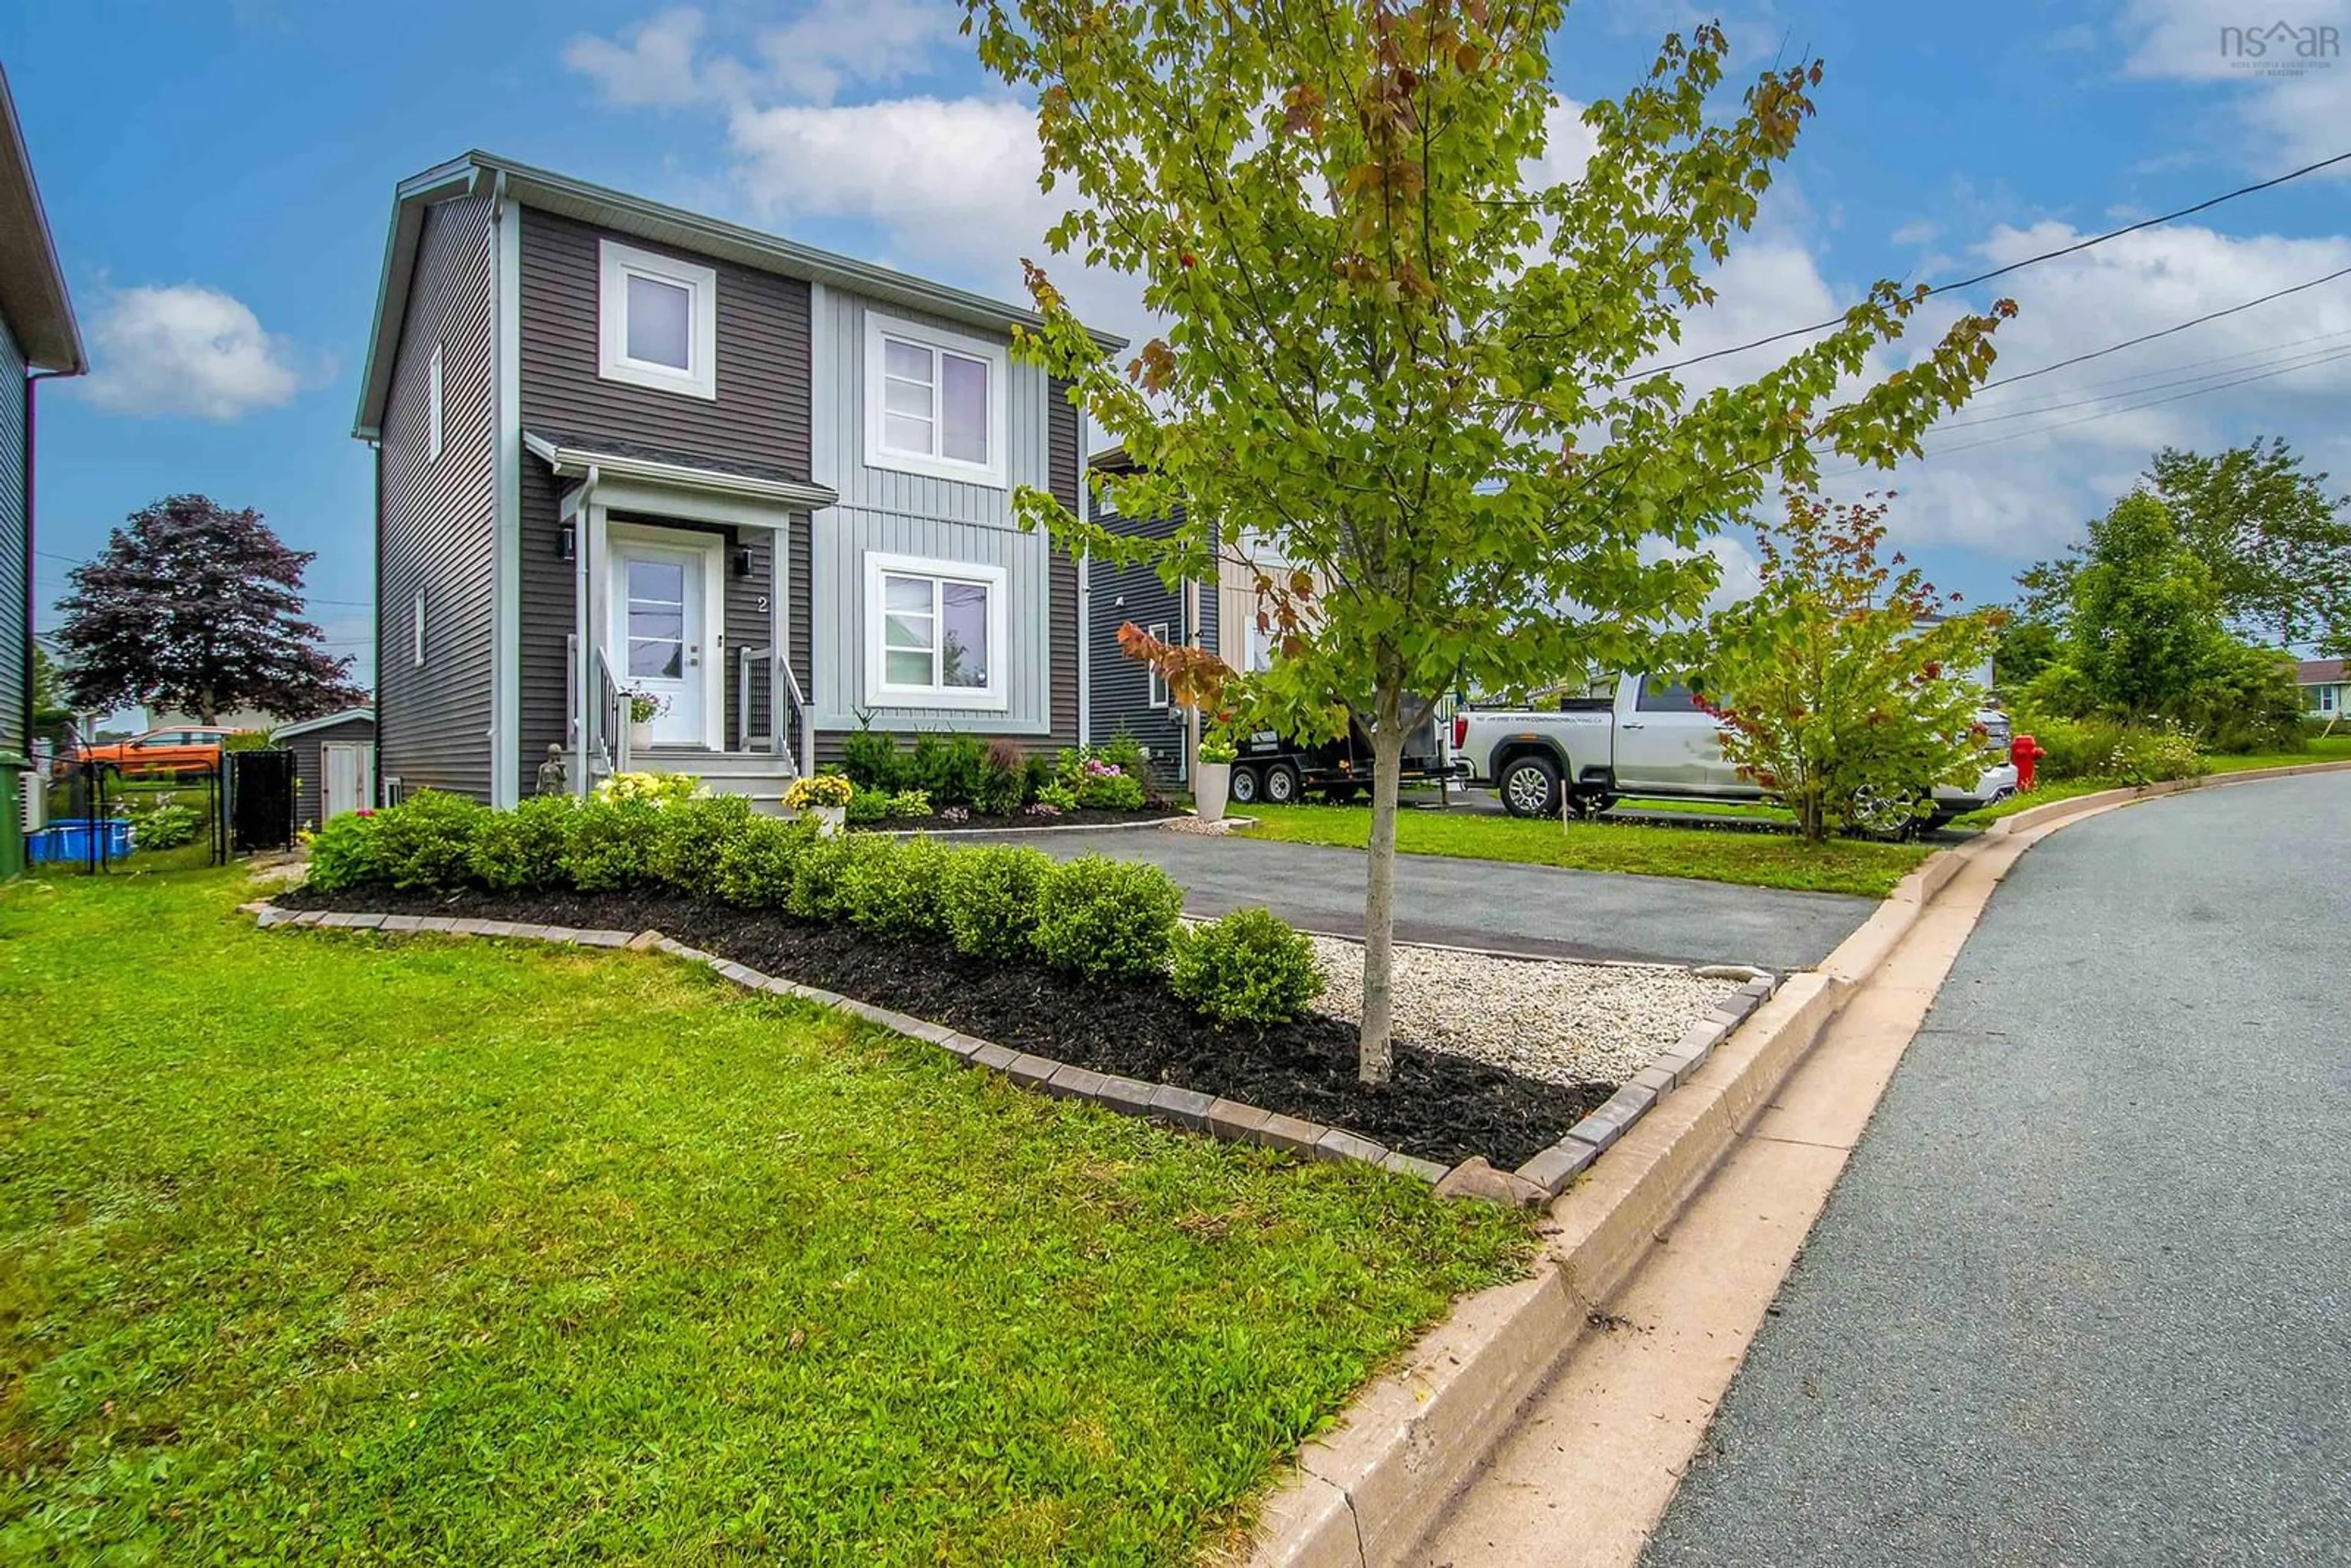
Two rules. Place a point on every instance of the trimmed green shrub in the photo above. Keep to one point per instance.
(871, 760)
(893, 888)
(689, 836)
(910, 803)
(822, 885)
(1003, 780)
(1247, 968)
(521, 851)
(756, 865)
(988, 901)
(605, 843)
(1101, 917)
(867, 806)
(343, 852)
(427, 841)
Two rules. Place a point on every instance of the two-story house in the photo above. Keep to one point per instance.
(624, 450)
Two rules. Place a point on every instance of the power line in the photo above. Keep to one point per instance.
(2213, 359)
(2166, 332)
(2075, 248)
(2295, 361)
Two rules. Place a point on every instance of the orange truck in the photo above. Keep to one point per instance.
(173, 752)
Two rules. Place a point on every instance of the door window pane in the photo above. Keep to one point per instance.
(659, 321)
(964, 409)
(660, 659)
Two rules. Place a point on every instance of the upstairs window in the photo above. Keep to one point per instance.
(934, 402)
(658, 321)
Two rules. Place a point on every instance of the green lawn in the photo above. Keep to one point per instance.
(1756, 810)
(2324, 749)
(2330, 749)
(327, 1245)
(1760, 860)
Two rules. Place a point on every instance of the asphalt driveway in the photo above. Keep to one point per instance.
(2083, 1294)
(1542, 911)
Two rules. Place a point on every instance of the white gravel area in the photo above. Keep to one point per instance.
(1563, 1022)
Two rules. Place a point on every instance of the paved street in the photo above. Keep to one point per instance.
(1485, 904)
(2084, 1295)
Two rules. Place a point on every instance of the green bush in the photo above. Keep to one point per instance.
(343, 852)
(2097, 748)
(605, 843)
(892, 888)
(1058, 795)
(688, 837)
(867, 806)
(247, 741)
(988, 901)
(1003, 780)
(909, 803)
(823, 880)
(165, 827)
(427, 841)
(1247, 968)
(1101, 917)
(756, 864)
(521, 851)
(1111, 791)
(872, 761)
(949, 769)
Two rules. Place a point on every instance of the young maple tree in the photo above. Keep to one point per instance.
(1841, 682)
(1405, 363)
(197, 607)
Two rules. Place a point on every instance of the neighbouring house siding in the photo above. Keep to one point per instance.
(15, 556)
(310, 767)
(760, 418)
(1121, 686)
(436, 518)
(886, 511)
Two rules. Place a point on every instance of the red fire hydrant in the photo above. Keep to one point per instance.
(2024, 751)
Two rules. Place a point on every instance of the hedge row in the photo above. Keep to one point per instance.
(1095, 917)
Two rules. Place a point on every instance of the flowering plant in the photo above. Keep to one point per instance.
(645, 706)
(1095, 768)
(819, 789)
(649, 788)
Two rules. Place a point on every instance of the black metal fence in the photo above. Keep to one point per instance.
(97, 820)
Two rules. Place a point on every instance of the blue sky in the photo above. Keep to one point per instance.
(218, 176)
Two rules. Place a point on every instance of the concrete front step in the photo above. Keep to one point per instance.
(760, 776)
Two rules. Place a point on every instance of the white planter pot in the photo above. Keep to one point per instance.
(1211, 781)
(829, 820)
(641, 736)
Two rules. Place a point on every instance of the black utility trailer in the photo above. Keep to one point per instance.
(1274, 770)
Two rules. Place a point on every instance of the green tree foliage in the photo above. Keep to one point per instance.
(1840, 683)
(2144, 628)
(1412, 361)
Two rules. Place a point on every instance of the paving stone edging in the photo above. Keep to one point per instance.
(1187, 1108)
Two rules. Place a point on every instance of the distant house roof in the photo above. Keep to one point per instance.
(326, 721)
(616, 210)
(33, 296)
(2320, 672)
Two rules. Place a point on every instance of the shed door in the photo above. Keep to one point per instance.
(345, 765)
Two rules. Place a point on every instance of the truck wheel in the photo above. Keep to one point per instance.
(1280, 785)
(1243, 789)
(1529, 788)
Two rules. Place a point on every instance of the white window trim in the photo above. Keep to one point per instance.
(880, 692)
(999, 360)
(416, 629)
(433, 441)
(1156, 693)
(617, 263)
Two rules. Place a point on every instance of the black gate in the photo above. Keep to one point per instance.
(260, 800)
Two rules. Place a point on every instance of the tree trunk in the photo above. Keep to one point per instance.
(1374, 1049)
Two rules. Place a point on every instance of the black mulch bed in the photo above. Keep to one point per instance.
(1019, 823)
(1438, 1106)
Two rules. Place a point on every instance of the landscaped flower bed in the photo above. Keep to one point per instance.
(1070, 960)
(946, 783)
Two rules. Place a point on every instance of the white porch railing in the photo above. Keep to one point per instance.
(790, 735)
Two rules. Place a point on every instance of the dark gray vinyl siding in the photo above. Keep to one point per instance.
(15, 551)
(1119, 687)
(436, 519)
(760, 416)
(1062, 436)
(310, 767)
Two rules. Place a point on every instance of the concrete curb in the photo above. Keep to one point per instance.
(1379, 1481)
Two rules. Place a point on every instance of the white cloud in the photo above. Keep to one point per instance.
(655, 67)
(185, 350)
(2296, 107)
(835, 42)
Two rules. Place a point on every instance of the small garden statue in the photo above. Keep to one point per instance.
(551, 781)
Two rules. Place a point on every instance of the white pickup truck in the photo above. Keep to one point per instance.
(1649, 738)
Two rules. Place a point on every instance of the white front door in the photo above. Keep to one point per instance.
(345, 765)
(659, 635)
